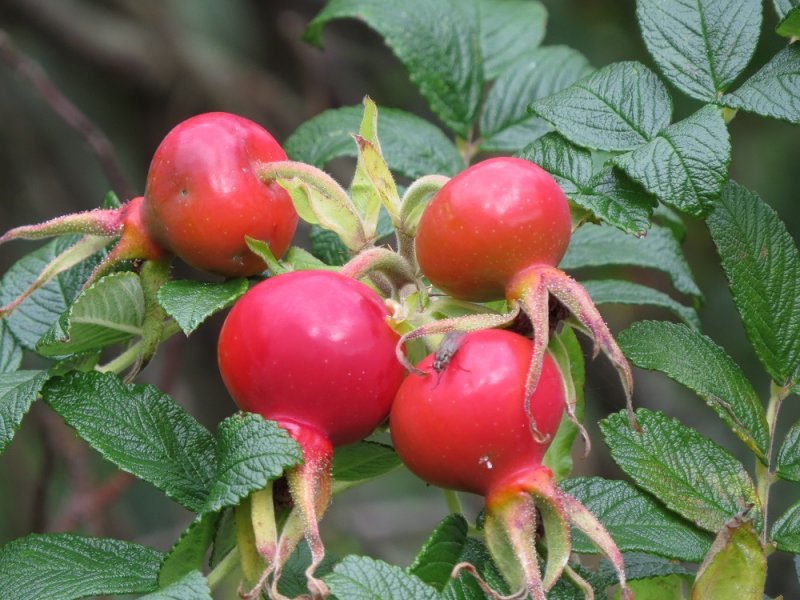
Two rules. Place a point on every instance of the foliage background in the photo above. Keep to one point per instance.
(136, 69)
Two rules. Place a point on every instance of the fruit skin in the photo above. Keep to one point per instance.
(203, 194)
(466, 428)
(490, 222)
(312, 348)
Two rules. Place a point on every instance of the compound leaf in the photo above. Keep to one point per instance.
(192, 586)
(363, 578)
(621, 291)
(510, 32)
(18, 390)
(10, 349)
(788, 463)
(363, 460)
(786, 530)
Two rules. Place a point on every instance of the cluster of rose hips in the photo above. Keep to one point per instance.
(326, 354)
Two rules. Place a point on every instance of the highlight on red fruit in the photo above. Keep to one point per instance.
(313, 351)
(204, 195)
(462, 425)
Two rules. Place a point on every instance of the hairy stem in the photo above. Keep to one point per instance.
(765, 476)
(224, 568)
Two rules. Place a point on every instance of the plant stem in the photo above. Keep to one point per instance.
(129, 356)
(453, 502)
(765, 476)
(223, 569)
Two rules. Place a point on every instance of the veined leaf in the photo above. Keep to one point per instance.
(18, 390)
(327, 247)
(109, 312)
(65, 566)
(510, 32)
(192, 302)
(189, 552)
(443, 61)
(701, 46)
(762, 263)
(506, 124)
(620, 291)
(192, 586)
(411, 146)
(34, 316)
(695, 361)
(441, 552)
(252, 451)
(786, 530)
(690, 474)
(363, 460)
(363, 578)
(596, 246)
(609, 195)
(636, 521)
(139, 429)
(10, 349)
(788, 463)
(774, 91)
(782, 7)
(685, 165)
(620, 107)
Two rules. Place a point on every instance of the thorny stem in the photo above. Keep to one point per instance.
(765, 476)
(223, 569)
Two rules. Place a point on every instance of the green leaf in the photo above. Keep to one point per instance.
(65, 566)
(644, 566)
(189, 552)
(566, 350)
(18, 390)
(411, 146)
(701, 46)
(790, 24)
(139, 429)
(441, 552)
(596, 246)
(224, 538)
(326, 246)
(570, 165)
(302, 260)
(636, 521)
(465, 587)
(10, 350)
(620, 107)
(192, 586)
(192, 302)
(786, 530)
(510, 32)
(736, 566)
(774, 91)
(782, 7)
(690, 474)
(618, 201)
(788, 463)
(505, 123)
(363, 460)
(293, 582)
(620, 291)
(109, 312)
(762, 263)
(252, 451)
(665, 587)
(443, 61)
(694, 360)
(685, 165)
(34, 316)
(363, 578)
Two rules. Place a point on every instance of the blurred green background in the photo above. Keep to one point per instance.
(138, 67)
